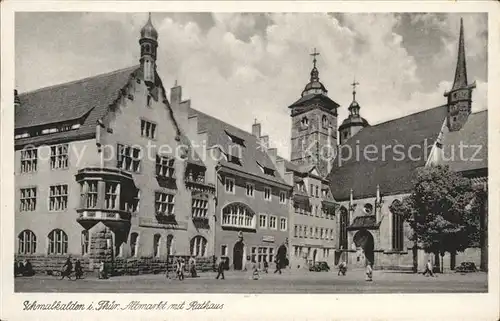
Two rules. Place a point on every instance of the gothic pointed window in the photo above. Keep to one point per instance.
(344, 222)
(397, 231)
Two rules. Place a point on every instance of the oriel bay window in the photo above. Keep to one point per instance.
(112, 195)
(89, 193)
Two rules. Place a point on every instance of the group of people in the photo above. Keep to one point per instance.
(180, 267)
(368, 270)
(67, 269)
(23, 268)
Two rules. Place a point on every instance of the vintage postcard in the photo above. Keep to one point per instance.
(253, 160)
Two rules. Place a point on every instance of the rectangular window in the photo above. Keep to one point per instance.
(311, 192)
(223, 250)
(263, 252)
(263, 221)
(311, 232)
(250, 189)
(91, 198)
(29, 159)
(316, 233)
(317, 191)
(111, 198)
(267, 193)
(301, 230)
(148, 129)
(271, 255)
(164, 203)
(296, 231)
(165, 166)
(282, 197)
(59, 156)
(199, 207)
(128, 158)
(133, 206)
(305, 231)
(283, 225)
(273, 222)
(397, 233)
(28, 199)
(322, 236)
(254, 254)
(229, 184)
(58, 197)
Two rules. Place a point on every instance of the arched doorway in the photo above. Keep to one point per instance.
(364, 240)
(238, 252)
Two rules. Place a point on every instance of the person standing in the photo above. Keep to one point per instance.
(369, 272)
(278, 265)
(428, 269)
(220, 269)
(342, 268)
(67, 268)
(266, 265)
(78, 269)
(192, 266)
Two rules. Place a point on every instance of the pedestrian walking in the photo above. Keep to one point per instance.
(180, 269)
(342, 268)
(78, 269)
(369, 272)
(278, 266)
(428, 269)
(266, 266)
(255, 274)
(220, 269)
(103, 274)
(192, 267)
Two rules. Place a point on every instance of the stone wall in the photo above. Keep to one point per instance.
(120, 266)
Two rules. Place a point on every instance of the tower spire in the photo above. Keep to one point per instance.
(354, 84)
(461, 71)
(314, 71)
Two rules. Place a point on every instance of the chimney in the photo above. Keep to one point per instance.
(175, 94)
(256, 129)
(273, 153)
(264, 140)
(17, 102)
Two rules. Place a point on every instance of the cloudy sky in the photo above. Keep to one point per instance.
(239, 67)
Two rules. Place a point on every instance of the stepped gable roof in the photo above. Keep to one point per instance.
(250, 154)
(86, 99)
(388, 169)
(474, 138)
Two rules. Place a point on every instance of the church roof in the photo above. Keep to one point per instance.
(385, 168)
(474, 138)
(320, 99)
(253, 154)
(351, 121)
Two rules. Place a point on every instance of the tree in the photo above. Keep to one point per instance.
(442, 211)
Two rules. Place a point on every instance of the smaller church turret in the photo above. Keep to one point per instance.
(460, 95)
(149, 45)
(354, 122)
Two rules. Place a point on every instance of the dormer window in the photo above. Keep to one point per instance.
(304, 122)
(235, 139)
(266, 170)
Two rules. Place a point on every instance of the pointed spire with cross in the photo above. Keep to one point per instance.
(354, 84)
(314, 54)
(314, 71)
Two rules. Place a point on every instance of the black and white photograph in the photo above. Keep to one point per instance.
(256, 152)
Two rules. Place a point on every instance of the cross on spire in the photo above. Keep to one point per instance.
(354, 84)
(314, 54)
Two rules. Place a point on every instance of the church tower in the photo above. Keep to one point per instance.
(460, 95)
(354, 122)
(149, 45)
(314, 125)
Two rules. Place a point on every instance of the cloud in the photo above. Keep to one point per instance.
(239, 67)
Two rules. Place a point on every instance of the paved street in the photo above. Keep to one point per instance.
(288, 282)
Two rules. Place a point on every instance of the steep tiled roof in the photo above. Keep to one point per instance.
(86, 99)
(316, 98)
(386, 169)
(474, 139)
(252, 153)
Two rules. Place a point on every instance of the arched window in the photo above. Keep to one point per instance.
(27, 242)
(170, 243)
(58, 242)
(238, 215)
(156, 245)
(304, 122)
(198, 246)
(85, 242)
(133, 244)
(324, 121)
(344, 222)
(397, 230)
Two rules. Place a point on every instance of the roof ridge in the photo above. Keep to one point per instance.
(225, 123)
(72, 82)
(405, 116)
